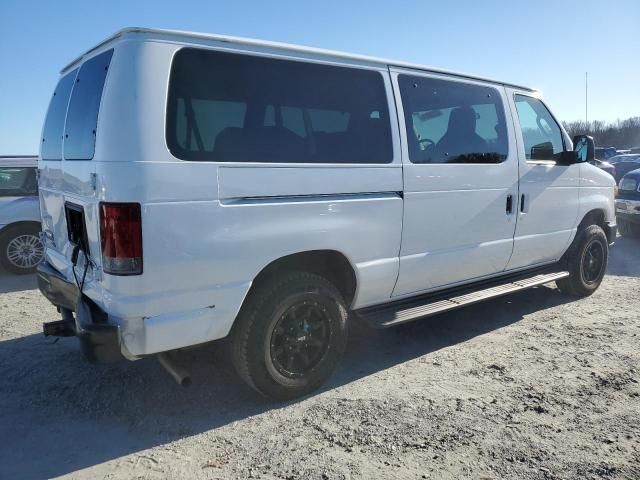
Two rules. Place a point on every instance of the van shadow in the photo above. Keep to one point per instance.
(61, 415)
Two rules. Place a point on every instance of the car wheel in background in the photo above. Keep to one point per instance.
(20, 248)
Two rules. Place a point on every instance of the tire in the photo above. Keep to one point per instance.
(586, 262)
(290, 335)
(20, 248)
(628, 229)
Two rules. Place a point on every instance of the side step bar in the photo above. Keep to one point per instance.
(403, 311)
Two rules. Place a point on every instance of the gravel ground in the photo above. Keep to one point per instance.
(531, 386)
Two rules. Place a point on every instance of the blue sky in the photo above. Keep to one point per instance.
(547, 44)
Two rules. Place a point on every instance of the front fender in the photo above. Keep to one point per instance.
(597, 192)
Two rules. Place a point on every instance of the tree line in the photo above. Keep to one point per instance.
(620, 134)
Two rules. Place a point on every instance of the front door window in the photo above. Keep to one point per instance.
(541, 134)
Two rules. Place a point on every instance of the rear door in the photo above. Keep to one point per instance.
(460, 180)
(65, 163)
(549, 193)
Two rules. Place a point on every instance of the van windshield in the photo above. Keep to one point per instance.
(240, 108)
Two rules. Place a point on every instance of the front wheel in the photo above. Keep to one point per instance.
(290, 335)
(20, 248)
(587, 262)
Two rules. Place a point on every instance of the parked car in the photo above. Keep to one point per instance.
(20, 246)
(605, 153)
(606, 166)
(222, 187)
(628, 204)
(635, 150)
(624, 164)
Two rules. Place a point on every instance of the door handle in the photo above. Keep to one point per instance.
(509, 204)
(522, 204)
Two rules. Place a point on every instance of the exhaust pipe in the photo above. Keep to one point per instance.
(179, 375)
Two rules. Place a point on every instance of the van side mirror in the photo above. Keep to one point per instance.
(583, 151)
(585, 148)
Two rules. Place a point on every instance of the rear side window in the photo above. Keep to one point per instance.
(54, 124)
(453, 122)
(82, 116)
(18, 181)
(541, 134)
(239, 108)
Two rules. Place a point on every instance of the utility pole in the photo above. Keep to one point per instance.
(586, 97)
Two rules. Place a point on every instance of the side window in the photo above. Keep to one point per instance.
(453, 122)
(541, 134)
(18, 181)
(53, 130)
(331, 121)
(82, 117)
(226, 107)
(211, 116)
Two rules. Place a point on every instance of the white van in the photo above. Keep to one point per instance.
(195, 187)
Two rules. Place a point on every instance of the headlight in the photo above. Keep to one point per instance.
(628, 184)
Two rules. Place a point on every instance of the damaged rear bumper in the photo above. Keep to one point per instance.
(99, 339)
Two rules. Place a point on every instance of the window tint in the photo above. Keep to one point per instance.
(211, 115)
(82, 117)
(18, 181)
(541, 134)
(54, 124)
(453, 122)
(239, 108)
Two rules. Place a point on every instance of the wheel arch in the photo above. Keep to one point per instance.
(16, 225)
(330, 264)
(595, 216)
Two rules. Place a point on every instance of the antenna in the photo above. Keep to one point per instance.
(586, 97)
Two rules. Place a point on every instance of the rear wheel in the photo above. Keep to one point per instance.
(20, 248)
(587, 262)
(290, 335)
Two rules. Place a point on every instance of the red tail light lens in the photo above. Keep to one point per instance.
(121, 238)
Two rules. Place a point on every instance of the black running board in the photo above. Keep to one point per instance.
(402, 311)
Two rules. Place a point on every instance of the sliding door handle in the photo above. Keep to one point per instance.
(523, 209)
(509, 204)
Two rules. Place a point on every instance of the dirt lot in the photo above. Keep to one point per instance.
(532, 386)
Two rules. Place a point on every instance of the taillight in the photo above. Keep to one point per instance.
(121, 238)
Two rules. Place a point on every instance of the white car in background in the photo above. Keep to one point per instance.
(20, 247)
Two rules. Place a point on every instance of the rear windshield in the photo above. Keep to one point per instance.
(82, 117)
(54, 124)
(18, 181)
(72, 119)
(240, 108)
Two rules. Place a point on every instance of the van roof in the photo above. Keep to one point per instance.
(18, 160)
(176, 35)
